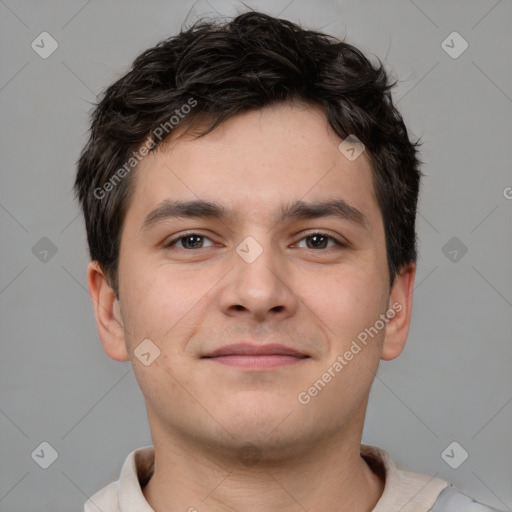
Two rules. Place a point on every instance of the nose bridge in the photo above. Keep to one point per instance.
(257, 282)
(257, 262)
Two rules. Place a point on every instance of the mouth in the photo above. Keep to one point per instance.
(256, 356)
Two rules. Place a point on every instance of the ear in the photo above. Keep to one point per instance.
(108, 314)
(400, 302)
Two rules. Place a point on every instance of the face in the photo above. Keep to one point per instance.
(252, 295)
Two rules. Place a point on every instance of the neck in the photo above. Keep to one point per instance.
(328, 475)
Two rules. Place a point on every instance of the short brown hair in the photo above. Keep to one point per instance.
(223, 69)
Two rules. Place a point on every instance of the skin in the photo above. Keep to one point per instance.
(189, 301)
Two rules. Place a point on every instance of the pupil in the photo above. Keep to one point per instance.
(191, 239)
(317, 238)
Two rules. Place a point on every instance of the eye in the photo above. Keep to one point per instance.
(189, 241)
(319, 240)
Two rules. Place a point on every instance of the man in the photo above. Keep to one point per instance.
(250, 193)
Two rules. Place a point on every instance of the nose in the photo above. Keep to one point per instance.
(261, 289)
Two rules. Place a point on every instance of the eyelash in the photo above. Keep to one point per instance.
(173, 241)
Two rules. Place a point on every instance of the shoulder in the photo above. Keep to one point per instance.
(414, 492)
(126, 493)
(105, 500)
(452, 500)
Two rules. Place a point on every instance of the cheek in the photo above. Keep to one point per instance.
(349, 300)
(146, 301)
(348, 306)
(162, 304)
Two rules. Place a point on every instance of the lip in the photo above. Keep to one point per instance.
(256, 356)
(247, 349)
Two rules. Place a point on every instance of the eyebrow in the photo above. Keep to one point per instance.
(299, 210)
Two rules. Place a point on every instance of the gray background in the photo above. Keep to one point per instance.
(454, 380)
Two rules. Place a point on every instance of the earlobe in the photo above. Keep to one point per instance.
(108, 316)
(399, 313)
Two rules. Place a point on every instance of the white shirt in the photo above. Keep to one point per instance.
(404, 491)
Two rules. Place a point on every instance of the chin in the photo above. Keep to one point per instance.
(251, 447)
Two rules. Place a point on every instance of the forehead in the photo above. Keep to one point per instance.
(255, 163)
